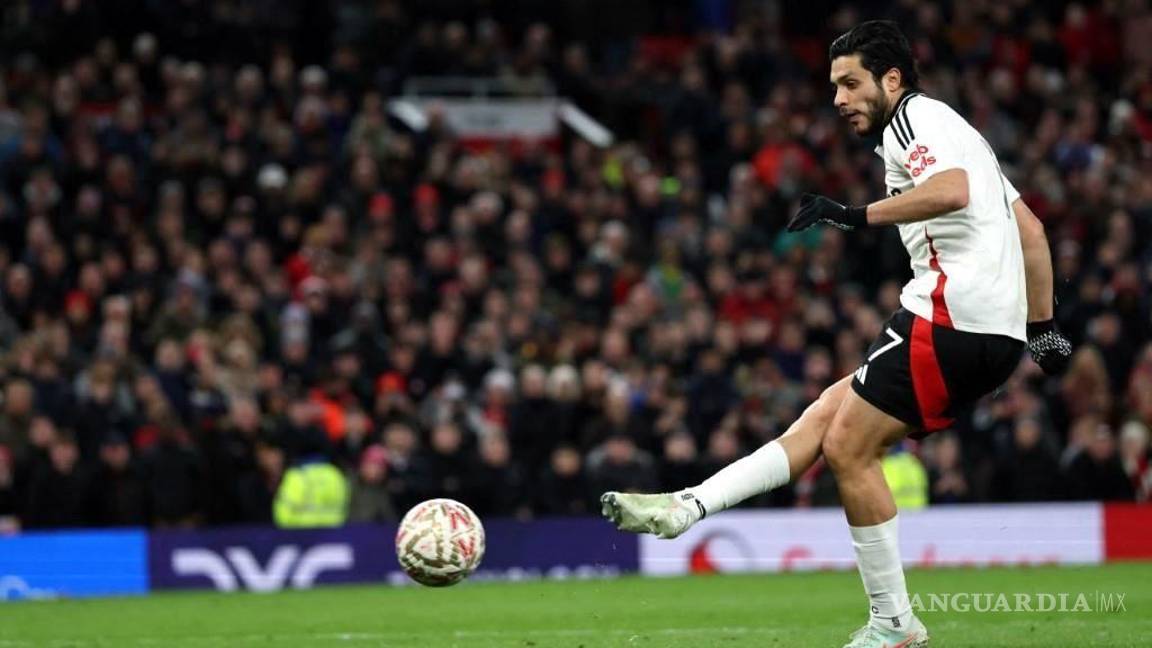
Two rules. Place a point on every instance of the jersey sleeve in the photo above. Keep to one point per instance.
(925, 141)
(1010, 190)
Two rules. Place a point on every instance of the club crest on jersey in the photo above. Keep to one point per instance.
(918, 160)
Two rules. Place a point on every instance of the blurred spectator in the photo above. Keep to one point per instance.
(258, 488)
(1030, 471)
(1097, 472)
(1134, 454)
(533, 427)
(817, 487)
(949, 482)
(408, 478)
(119, 489)
(60, 489)
(174, 477)
(562, 488)
(370, 500)
(680, 467)
(10, 507)
(16, 418)
(617, 419)
(711, 394)
(101, 408)
(313, 493)
(446, 461)
(229, 459)
(497, 485)
(906, 477)
(617, 464)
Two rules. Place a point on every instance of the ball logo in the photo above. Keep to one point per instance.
(458, 519)
(467, 547)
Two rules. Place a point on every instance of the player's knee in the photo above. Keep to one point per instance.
(824, 408)
(837, 450)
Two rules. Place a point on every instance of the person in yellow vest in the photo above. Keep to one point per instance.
(313, 493)
(907, 478)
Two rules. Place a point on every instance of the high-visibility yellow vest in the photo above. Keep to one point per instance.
(907, 479)
(312, 495)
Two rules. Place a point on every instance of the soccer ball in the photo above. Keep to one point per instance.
(440, 542)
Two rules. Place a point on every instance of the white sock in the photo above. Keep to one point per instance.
(878, 557)
(759, 472)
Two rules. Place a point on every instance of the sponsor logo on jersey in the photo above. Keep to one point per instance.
(918, 160)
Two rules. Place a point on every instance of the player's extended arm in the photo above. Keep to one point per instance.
(940, 194)
(1048, 346)
(1037, 262)
(944, 192)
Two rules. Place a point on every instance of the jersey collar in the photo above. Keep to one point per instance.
(908, 94)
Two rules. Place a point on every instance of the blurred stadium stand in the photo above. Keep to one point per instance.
(239, 234)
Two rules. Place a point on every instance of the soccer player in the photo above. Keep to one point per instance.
(981, 290)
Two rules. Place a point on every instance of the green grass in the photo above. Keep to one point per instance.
(810, 609)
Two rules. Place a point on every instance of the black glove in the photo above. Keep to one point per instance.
(818, 209)
(1048, 346)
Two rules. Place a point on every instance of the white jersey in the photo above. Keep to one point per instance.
(967, 265)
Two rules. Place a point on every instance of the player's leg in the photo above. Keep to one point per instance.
(805, 437)
(771, 466)
(859, 437)
(856, 442)
(777, 462)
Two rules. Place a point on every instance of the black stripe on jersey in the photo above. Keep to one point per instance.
(902, 128)
(907, 124)
(900, 136)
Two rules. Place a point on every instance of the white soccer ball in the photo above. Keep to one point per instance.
(440, 542)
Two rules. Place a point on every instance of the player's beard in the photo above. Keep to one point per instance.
(877, 113)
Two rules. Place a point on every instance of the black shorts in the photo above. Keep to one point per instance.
(926, 375)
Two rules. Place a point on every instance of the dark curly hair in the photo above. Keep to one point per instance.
(881, 47)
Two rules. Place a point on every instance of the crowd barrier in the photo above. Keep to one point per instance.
(70, 564)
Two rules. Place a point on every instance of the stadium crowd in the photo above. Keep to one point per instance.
(221, 257)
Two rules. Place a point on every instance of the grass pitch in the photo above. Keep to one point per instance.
(799, 609)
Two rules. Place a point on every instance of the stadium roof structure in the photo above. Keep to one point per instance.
(488, 111)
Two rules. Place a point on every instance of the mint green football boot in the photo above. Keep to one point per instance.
(914, 636)
(664, 515)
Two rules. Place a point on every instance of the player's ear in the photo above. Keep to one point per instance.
(892, 79)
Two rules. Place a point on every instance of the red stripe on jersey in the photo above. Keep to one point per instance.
(940, 313)
(927, 379)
